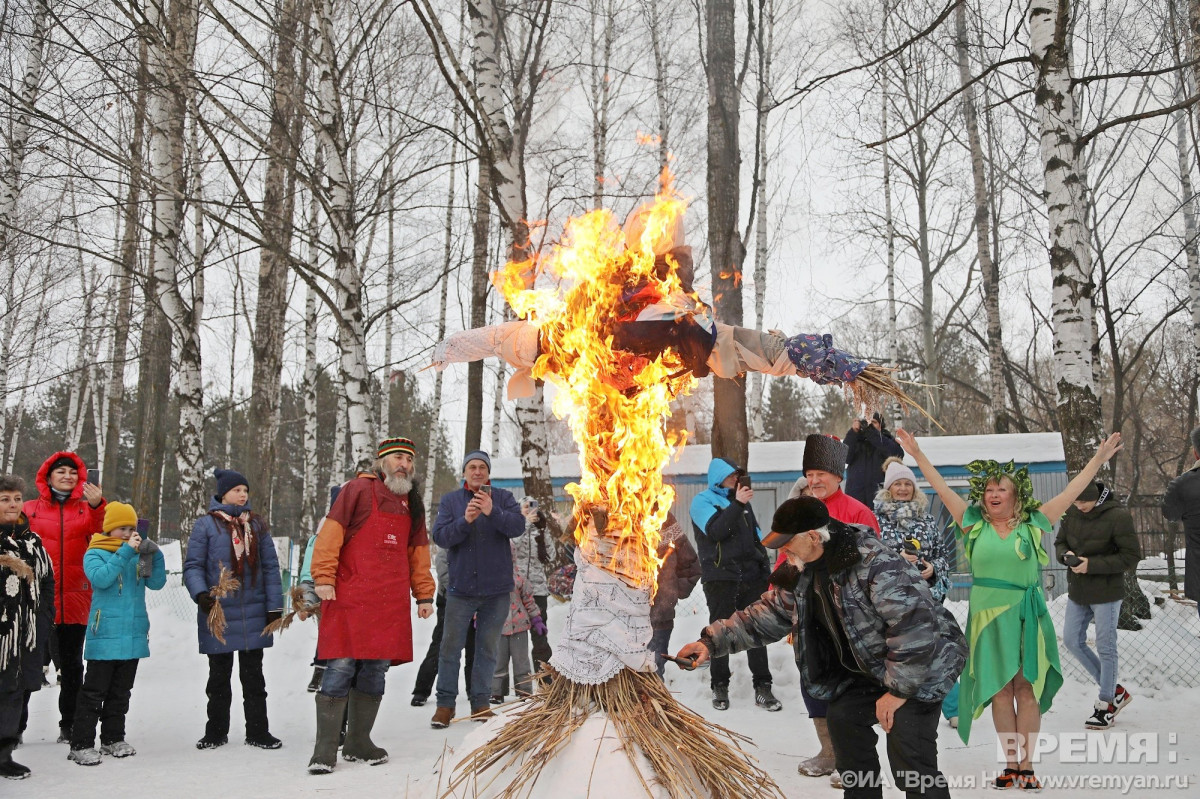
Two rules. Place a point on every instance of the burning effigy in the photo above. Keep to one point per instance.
(619, 330)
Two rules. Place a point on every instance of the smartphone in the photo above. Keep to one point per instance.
(531, 503)
(485, 488)
(143, 527)
(1072, 560)
(743, 480)
(94, 477)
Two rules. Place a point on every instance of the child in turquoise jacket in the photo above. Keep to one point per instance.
(120, 565)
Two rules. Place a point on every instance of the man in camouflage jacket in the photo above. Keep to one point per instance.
(868, 637)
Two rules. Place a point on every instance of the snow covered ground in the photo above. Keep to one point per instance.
(167, 716)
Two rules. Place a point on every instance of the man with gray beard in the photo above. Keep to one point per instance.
(372, 552)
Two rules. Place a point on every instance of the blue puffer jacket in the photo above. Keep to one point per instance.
(481, 562)
(118, 627)
(245, 609)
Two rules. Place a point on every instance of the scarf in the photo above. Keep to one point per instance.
(20, 551)
(109, 543)
(242, 537)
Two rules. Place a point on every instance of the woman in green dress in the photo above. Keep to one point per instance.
(1013, 661)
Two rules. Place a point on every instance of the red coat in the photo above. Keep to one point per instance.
(65, 531)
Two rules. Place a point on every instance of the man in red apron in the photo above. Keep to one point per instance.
(372, 551)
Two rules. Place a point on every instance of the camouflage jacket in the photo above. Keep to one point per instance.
(898, 634)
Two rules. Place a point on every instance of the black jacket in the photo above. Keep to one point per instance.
(1182, 504)
(1106, 537)
(867, 450)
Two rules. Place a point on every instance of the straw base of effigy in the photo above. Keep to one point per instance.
(625, 737)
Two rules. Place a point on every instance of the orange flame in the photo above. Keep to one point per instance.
(615, 402)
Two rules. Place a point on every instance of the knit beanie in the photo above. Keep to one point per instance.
(390, 445)
(477, 455)
(63, 460)
(118, 514)
(1090, 494)
(227, 480)
(825, 453)
(1195, 436)
(898, 471)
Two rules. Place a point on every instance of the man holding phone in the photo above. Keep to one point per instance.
(474, 525)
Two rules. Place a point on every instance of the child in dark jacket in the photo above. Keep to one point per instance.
(677, 578)
(120, 565)
(523, 615)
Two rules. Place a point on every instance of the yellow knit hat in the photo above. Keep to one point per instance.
(118, 514)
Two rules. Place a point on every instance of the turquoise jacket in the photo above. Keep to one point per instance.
(118, 627)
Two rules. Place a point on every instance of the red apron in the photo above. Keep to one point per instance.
(371, 619)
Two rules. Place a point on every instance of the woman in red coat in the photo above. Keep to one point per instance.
(67, 512)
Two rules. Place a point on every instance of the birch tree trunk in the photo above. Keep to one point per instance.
(765, 45)
(1193, 260)
(654, 25)
(730, 435)
(278, 210)
(1072, 309)
(989, 270)
(601, 93)
(889, 221)
(480, 233)
(310, 501)
(447, 252)
(352, 363)
(170, 56)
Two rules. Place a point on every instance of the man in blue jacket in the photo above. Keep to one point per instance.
(474, 524)
(734, 568)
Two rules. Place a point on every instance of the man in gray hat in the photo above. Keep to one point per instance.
(868, 638)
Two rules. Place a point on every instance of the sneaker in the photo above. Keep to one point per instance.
(85, 757)
(721, 697)
(419, 701)
(1102, 719)
(263, 740)
(1006, 779)
(118, 749)
(212, 742)
(441, 718)
(1026, 781)
(1120, 699)
(766, 700)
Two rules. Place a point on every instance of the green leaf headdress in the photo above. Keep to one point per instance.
(984, 472)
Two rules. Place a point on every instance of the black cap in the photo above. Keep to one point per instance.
(793, 517)
(1089, 494)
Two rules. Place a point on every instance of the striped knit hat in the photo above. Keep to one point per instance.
(390, 445)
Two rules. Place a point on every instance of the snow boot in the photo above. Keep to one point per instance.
(117, 749)
(85, 757)
(330, 710)
(823, 763)
(360, 719)
(441, 718)
(10, 769)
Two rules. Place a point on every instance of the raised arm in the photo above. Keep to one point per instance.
(1055, 508)
(955, 504)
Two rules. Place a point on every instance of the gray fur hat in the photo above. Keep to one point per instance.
(825, 453)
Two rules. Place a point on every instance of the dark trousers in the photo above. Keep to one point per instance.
(724, 599)
(541, 643)
(11, 704)
(817, 708)
(104, 697)
(69, 660)
(220, 693)
(911, 745)
(427, 671)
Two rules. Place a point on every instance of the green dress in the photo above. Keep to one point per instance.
(1008, 625)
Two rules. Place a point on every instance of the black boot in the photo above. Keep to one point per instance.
(314, 684)
(10, 769)
(360, 719)
(721, 697)
(330, 711)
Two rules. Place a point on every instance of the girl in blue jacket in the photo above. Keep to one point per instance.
(120, 565)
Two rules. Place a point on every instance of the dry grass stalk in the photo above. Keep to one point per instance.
(299, 605)
(875, 388)
(226, 585)
(685, 751)
(17, 567)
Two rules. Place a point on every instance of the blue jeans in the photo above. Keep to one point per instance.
(489, 613)
(659, 641)
(1101, 664)
(364, 676)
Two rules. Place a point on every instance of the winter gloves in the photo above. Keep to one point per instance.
(146, 552)
(205, 601)
(539, 626)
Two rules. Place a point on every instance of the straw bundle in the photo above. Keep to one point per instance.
(17, 567)
(226, 585)
(299, 605)
(691, 758)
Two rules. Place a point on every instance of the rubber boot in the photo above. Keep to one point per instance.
(823, 763)
(330, 710)
(360, 718)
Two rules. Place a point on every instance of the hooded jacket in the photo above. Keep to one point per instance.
(119, 627)
(1182, 504)
(898, 635)
(1106, 537)
(66, 529)
(726, 532)
(245, 609)
(867, 449)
